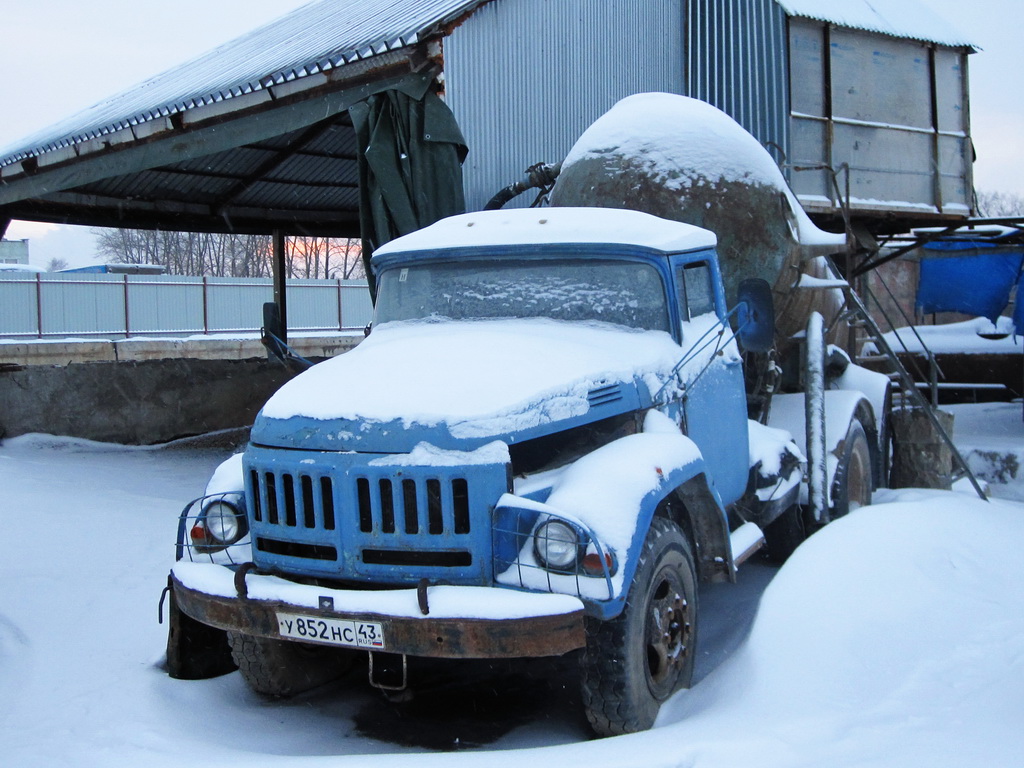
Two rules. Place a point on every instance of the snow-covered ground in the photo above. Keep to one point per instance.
(990, 437)
(894, 637)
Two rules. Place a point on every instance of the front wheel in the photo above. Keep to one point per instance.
(637, 660)
(281, 668)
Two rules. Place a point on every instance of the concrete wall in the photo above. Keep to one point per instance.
(164, 396)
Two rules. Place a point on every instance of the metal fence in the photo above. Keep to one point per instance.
(46, 306)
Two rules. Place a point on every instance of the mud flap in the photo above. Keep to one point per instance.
(195, 651)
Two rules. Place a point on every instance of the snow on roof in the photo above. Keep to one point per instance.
(547, 226)
(978, 336)
(312, 40)
(898, 18)
(20, 268)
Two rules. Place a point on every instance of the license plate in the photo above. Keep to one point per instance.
(353, 634)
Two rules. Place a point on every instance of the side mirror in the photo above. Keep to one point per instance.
(755, 316)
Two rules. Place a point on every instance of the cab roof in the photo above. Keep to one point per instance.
(554, 226)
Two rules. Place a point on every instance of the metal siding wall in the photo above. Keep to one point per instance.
(736, 60)
(526, 77)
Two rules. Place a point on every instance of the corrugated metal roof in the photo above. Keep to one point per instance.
(899, 18)
(315, 38)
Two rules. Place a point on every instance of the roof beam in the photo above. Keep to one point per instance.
(272, 163)
(279, 180)
(64, 208)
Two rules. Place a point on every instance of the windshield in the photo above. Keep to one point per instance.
(624, 293)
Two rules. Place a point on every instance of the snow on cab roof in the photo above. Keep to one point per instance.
(898, 18)
(551, 226)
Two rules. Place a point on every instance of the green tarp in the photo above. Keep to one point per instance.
(410, 164)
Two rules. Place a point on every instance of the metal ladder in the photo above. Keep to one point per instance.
(857, 316)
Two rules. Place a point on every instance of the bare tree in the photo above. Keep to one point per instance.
(997, 205)
(128, 246)
(232, 255)
(325, 257)
(56, 265)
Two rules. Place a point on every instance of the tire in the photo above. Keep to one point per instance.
(280, 668)
(195, 651)
(853, 483)
(784, 534)
(632, 663)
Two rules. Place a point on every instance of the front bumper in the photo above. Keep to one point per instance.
(462, 622)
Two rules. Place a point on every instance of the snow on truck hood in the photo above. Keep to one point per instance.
(477, 380)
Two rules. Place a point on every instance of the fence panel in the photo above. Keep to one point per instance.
(56, 305)
(82, 305)
(313, 304)
(236, 304)
(164, 304)
(18, 296)
(356, 307)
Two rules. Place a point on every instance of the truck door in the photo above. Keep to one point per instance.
(715, 407)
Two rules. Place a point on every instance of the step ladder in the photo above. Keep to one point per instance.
(906, 392)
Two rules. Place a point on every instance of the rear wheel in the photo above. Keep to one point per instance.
(636, 661)
(281, 668)
(853, 482)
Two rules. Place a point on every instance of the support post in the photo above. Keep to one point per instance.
(814, 418)
(280, 278)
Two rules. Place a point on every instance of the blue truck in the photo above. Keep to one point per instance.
(542, 447)
(564, 420)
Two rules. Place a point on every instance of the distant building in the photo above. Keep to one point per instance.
(13, 251)
(120, 269)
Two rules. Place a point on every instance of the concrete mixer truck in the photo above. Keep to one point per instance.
(564, 420)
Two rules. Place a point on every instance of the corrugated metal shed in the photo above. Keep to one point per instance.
(736, 61)
(898, 18)
(526, 78)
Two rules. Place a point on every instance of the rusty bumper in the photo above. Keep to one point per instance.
(438, 637)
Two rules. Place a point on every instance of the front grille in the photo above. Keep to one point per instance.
(354, 516)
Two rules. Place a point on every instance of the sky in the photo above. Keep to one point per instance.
(60, 56)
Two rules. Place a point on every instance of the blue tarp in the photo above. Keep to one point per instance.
(977, 285)
(958, 245)
(1018, 309)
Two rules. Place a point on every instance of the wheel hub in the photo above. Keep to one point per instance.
(668, 632)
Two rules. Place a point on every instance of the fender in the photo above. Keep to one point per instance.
(615, 492)
(841, 407)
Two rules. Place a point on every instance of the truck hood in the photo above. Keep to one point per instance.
(460, 385)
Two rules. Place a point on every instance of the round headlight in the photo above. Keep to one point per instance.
(557, 545)
(223, 522)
